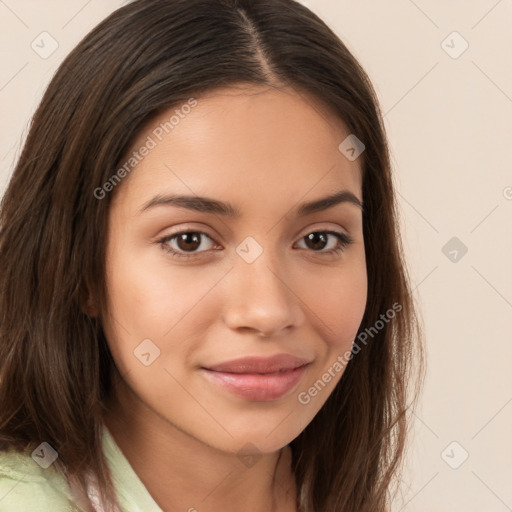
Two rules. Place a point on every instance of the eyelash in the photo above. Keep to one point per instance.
(343, 242)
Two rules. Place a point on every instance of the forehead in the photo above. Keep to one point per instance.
(249, 142)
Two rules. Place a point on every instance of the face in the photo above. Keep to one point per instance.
(247, 272)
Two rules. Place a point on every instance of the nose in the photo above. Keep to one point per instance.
(259, 297)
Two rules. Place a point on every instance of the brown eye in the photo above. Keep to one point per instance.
(188, 241)
(185, 244)
(318, 240)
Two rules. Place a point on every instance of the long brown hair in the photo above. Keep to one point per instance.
(148, 56)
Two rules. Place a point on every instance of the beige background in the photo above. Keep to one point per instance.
(449, 120)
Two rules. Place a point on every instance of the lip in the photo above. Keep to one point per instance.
(258, 378)
(255, 364)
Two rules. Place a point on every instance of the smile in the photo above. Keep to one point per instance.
(260, 387)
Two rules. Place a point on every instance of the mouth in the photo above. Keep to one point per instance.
(258, 379)
(260, 365)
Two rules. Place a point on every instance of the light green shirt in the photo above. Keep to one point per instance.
(25, 486)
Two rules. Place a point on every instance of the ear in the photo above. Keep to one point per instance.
(90, 307)
(88, 303)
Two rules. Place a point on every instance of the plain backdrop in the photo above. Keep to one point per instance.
(443, 73)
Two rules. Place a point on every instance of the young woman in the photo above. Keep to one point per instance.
(204, 302)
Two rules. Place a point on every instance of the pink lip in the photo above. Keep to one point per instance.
(256, 364)
(258, 378)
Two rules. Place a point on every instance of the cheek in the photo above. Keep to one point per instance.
(337, 312)
(151, 306)
(169, 305)
(149, 296)
(339, 304)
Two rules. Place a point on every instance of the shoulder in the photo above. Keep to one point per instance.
(24, 485)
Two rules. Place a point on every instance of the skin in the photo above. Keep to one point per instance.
(265, 151)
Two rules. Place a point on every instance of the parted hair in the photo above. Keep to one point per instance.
(55, 365)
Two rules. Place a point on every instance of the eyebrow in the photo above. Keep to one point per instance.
(209, 205)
